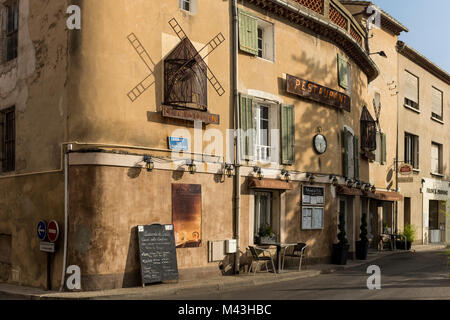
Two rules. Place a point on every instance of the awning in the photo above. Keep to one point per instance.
(369, 194)
(271, 184)
(348, 191)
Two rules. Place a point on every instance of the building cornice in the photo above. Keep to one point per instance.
(321, 25)
(422, 61)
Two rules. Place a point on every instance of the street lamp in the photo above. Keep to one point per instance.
(192, 167)
(149, 164)
(381, 53)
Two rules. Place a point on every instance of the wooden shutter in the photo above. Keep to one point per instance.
(383, 148)
(436, 103)
(356, 157)
(246, 125)
(416, 152)
(288, 134)
(347, 133)
(411, 87)
(343, 72)
(2, 140)
(248, 33)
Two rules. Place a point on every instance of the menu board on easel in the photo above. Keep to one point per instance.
(157, 253)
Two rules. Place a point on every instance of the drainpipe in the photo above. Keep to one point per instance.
(237, 163)
(66, 212)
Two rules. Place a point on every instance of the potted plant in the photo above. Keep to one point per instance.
(362, 246)
(266, 235)
(340, 250)
(409, 232)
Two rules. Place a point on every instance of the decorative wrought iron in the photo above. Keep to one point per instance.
(368, 131)
(186, 72)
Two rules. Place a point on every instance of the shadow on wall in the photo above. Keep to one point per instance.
(132, 276)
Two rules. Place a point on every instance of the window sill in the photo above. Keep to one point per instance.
(416, 171)
(266, 60)
(437, 174)
(437, 120)
(412, 109)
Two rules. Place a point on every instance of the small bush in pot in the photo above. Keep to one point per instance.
(340, 250)
(409, 232)
(362, 246)
(266, 235)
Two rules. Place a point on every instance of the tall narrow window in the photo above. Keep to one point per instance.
(436, 158)
(262, 126)
(411, 90)
(436, 104)
(412, 150)
(12, 29)
(260, 42)
(263, 211)
(8, 139)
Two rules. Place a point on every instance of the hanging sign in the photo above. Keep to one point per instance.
(405, 169)
(312, 91)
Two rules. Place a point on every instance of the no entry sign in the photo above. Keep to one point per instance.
(53, 231)
(41, 230)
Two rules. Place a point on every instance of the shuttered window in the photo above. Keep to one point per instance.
(412, 150)
(246, 126)
(248, 33)
(383, 148)
(436, 158)
(356, 156)
(343, 72)
(8, 139)
(411, 90)
(288, 134)
(436, 103)
(349, 154)
(12, 29)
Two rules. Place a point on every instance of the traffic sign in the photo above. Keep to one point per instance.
(42, 230)
(47, 247)
(53, 231)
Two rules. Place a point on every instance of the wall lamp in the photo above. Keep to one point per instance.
(229, 170)
(358, 184)
(381, 53)
(286, 174)
(373, 189)
(311, 178)
(192, 167)
(334, 180)
(149, 164)
(367, 187)
(349, 183)
(259, 173)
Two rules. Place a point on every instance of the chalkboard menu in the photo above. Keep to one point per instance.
(157, 253)
(313, 195)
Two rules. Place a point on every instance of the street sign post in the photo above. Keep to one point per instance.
(41, 230)
(53, 231)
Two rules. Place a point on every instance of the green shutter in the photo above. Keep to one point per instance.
(356, 151)
(346, 152)
(288, 134)
(383, 148)
(343, 72)
(248, 33)
(247, 133)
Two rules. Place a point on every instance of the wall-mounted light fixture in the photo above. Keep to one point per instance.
(358, 184)
(229, 170)
(149, 164)
(258, 172)
(349, 183)
(286, 174)
(373, 189)
(381, 53)
(367, 187)
(192, 167)
(311, 178)
(334, 180)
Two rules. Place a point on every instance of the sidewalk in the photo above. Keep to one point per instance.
(213, 284)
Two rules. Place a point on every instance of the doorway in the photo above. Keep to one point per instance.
(263, 212)
(406, 212)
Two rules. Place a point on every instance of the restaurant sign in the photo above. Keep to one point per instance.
(312, 91)
(405, 169)
(190, 115)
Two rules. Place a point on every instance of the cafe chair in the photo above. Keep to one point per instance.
(261, 259)
(295, 251)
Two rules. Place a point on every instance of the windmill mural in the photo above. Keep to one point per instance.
(186, 73)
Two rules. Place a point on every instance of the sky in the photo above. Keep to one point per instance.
(428, 22)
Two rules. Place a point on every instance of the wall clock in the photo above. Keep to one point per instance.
(320, 144)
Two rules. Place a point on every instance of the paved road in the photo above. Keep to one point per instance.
(420, 275)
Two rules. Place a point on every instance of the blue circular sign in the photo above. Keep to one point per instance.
(42, 230)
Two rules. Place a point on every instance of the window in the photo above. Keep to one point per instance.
(411, 90)
(380, 152)
(344, 73)
(263, 211)
(412, 150)
(7, 139)
(434, 215)
(256, 36)
(368, 131)
(351, 154)
(188, 5)
(12, 28)
(436, 158)
(436, 104)
(259, 130)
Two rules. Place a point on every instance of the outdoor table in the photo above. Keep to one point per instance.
(279, 247)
